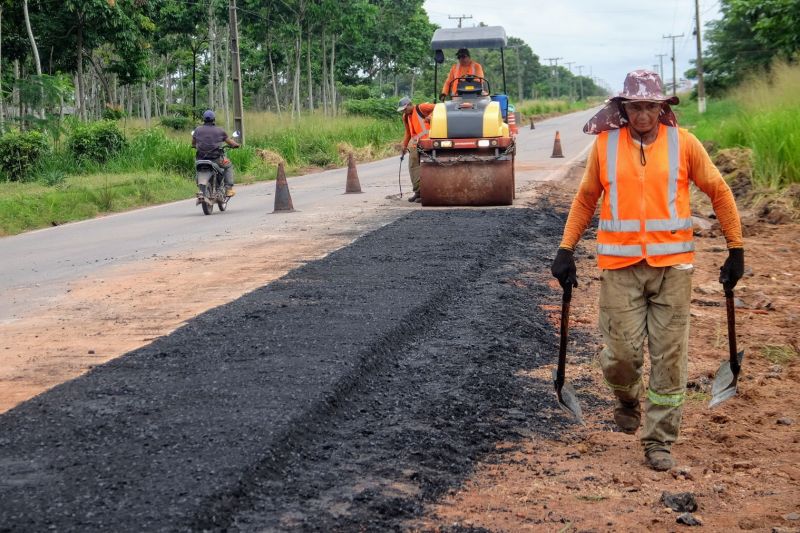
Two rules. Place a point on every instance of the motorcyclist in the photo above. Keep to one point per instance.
(207, 140)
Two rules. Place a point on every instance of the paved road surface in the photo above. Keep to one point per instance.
(39, 265)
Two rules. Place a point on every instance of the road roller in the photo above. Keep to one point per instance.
(468, 157)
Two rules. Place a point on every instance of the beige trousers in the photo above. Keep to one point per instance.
(643, 301)
(413, 165)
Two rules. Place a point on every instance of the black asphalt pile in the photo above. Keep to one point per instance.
(346, 395)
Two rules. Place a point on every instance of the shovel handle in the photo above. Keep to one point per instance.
(562, 348)
(730, 307)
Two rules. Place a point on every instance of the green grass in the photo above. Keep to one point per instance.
(762, 115)
(158, 166)
(26, 206)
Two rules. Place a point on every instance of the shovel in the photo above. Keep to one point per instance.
(724, 386)
(566, 394)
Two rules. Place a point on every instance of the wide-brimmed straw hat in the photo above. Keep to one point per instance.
(640, 86)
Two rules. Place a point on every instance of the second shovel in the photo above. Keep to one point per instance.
(567, 398)
(724, 386)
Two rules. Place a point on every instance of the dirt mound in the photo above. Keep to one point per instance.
(270, 157)
(736, 165)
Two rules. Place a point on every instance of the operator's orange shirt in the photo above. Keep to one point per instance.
(456, 71)
(702, 173)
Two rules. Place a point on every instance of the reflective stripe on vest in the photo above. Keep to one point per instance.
(616, 224)
(423, 128)
(666, 400)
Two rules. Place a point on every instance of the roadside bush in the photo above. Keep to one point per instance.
(185, 110)
(372, 107)
(19, 152)
(113, 112)
(178, 123)
(96, 141)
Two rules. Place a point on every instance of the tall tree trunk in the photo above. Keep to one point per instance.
(212, 54)
(79, 98)
(226, 70)
(324, 77)
(274, 82)
(145, 104)
(36, 60)
(15, 99)
(310, 77)
(2, 104)
(297, 72)
(333, 74)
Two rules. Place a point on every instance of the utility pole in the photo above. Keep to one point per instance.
(580, 78)
(701, 88)
(236, 74)
(571, 85)
(554, 62)
(661, 67)
(462, 17)
(520, 95)
(674, 68)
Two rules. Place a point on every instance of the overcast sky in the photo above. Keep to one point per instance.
(612, 37)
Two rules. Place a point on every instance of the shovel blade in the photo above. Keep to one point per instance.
(568, 399)
(724, 385)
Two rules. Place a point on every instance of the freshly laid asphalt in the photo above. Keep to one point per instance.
(297, 407)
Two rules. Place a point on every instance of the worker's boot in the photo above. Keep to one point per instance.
(659, 459)
(413, 198)
(230, 192)
(628, 416)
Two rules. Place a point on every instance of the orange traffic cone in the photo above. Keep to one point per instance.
(353, 185)
(283, 200)
(532, 126)
(557, 146)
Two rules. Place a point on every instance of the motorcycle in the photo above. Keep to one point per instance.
(211, 187)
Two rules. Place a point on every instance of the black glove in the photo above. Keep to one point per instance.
(733, 269)
(564, 269)
(402, 156)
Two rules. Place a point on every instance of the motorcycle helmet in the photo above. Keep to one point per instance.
(209, 116)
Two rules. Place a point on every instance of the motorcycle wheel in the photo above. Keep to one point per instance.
(223, 205)
(207, 208)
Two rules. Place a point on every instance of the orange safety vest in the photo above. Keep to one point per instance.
(645, 211)
(456, 71)
(417, 125)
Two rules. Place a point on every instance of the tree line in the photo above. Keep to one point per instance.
(156, 58)
(749, 37)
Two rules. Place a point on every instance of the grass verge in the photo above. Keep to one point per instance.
(761, 114)
(158, 166)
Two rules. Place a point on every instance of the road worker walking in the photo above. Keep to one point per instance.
(642, 164)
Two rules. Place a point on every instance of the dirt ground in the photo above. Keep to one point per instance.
(740, 460)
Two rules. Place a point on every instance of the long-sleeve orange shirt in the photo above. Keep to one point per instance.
(702, 172)
(411, 123)
(457, 71)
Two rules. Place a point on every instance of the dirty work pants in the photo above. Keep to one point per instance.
(413, 165)
(227, 166)
(643, 301)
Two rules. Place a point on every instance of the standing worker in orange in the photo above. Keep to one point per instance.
(642, 164)
(465, 67)
(416, 119)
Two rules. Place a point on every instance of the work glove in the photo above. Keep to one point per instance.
(402, 156)
(564, 269)
(733, 269)
(442, 97)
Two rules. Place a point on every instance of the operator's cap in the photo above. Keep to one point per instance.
(462, 52)
(209, 116)
(404, 101)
